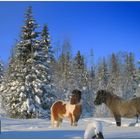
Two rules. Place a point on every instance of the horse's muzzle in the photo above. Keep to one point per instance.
(97, 102)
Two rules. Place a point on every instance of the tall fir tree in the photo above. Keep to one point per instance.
(102, 74)
(114, 77)
(79, 71)
(46, 59)
(28, 79)
(130, 81)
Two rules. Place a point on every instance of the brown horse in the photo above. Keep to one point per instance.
(118, 106)
(71, 110)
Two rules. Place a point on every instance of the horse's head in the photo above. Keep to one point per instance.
(75, 96)
(101, 97)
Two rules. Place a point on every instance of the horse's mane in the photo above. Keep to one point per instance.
(111, 94)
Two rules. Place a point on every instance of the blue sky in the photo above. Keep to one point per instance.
(105, 27)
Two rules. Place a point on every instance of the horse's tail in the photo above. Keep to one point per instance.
(55, 113)
(52, 117)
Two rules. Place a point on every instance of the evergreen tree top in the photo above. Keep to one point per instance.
(45, 37)
(28, 30)
(79, 60)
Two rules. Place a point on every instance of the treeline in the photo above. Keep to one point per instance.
(117, 73)
(36, 76)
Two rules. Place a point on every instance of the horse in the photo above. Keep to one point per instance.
(72, 110)
(118, 106)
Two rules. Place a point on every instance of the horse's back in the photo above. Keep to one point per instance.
(136, 102)
(59, 108)
(131, 107)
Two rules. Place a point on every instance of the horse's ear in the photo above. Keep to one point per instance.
(76, 91)
(101, 92)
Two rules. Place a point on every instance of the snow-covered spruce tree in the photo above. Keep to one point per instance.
(79, 71)
(24, 85)
(8, 82)
(130, 81)
(115, 76)
(102, 74)
(43, 68)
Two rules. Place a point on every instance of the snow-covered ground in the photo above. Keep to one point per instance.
(39, 128)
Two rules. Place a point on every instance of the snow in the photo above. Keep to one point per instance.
(41, 128)
(93, 129)
(37, 99)
(13, 88)
(84, 88)
(21, 94)
(2, 87)
(22, 88)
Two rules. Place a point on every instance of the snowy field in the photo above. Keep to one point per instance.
(38, 128)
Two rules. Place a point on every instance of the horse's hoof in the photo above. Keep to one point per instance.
(118, 123)
(75, 124)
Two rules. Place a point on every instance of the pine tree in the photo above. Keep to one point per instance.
(45, 57)
(45, 40)
(102, 75)
(130, 82)
(27, 77)
(28, 37)
(79, 71)
(114, 77)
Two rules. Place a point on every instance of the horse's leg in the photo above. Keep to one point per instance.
(118, 120)
(60, 121)
(71, 119)
(74, 120)
(76, 114)
(137, 118)
(56, 121)
(52, 120)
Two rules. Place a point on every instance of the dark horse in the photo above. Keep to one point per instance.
(118, 106)
(72, 110)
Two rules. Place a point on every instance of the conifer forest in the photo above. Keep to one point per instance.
(38, 73)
